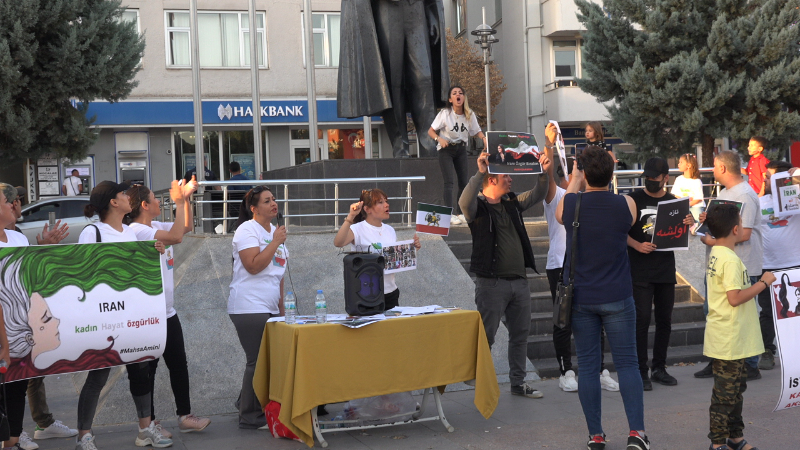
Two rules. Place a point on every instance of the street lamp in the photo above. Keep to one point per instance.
(486, 38)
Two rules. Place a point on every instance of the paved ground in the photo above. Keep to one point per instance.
(676, 418)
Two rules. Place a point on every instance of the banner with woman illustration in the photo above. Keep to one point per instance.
(785, 294)
(70, 308)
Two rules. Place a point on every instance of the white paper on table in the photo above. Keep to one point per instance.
(414, 310)
(276, 319)
(562, 151)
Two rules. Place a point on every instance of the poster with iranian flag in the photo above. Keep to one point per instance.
(433, 219)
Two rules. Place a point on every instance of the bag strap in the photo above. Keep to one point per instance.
(575, 225)
(97, 237)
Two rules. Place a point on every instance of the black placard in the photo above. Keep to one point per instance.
(713, 203)
(669, 231)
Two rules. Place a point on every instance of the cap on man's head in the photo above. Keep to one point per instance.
(21, 192)
(655, 167)
(104, 192)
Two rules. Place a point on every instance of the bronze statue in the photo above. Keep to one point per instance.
(393, 60)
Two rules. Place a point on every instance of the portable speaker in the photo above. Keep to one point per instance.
(363, 284)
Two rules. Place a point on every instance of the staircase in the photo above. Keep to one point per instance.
(688, 320)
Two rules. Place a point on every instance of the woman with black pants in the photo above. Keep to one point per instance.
(451, 130)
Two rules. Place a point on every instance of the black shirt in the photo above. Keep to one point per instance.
(508, 252)
(653, 267)
(210, 175)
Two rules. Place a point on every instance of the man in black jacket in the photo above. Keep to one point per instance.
(501, 250)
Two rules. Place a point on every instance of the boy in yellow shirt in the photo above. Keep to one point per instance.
(732, 331)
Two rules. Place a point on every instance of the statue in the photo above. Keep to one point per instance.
(393, 60)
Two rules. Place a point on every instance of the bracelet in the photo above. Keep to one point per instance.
(348, 221)
(765, 283)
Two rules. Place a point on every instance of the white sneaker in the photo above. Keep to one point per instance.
(86, 442)
(454, 220)
(462, 218)
(608, 383)
(152, 436)
(26, 443)
(567, 382)
(56, 430)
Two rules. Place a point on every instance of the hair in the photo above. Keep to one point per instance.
(370, 197)
(75, 170)
(691, 161)
(730, 160)
(137, 194)
(597, 127)
(250, 200)
(9, 191)
(15, 302)
(761, 140)
(779, 166)
(90, 210)
(467, 110)
(721, 219)
(598, 166)
(234, 166)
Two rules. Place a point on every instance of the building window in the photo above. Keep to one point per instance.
(460, 7)
(326, 38)
(566, 59)
(224, 39)
(131, 15)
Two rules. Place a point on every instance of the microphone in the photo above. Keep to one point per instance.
(280, 219)
(3, 366)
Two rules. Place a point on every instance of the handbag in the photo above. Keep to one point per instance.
(562, 308)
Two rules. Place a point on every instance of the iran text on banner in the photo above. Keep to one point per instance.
(433, 219)
(785, 296)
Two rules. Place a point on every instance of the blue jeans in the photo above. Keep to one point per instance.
(619, 321)
(753, 360)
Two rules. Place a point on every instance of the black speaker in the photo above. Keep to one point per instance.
(363, 284)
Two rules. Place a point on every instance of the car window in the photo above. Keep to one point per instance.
(41, 212)
(73, 208)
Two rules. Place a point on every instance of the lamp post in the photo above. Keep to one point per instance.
(486, 38)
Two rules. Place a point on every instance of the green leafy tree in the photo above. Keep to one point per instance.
(681, 72)
(55, 51)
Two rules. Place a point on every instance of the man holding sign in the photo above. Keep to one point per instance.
(652, 273)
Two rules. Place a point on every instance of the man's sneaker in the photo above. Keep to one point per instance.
(637, 442)
(647, 385)
(462, 218)
(567, 382)
(608, 383)
(164, 432)
(55, 430)
(597, 442)
(526, 391)
(151, 436)
(661, 376)
(26, 443)
(454, 220)
(707, 372)
(752, 372)
(86, 442)
(193, 423)
(767, 361)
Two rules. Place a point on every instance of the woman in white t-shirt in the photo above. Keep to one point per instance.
(110, 202)
(451, 130)
(259, 262)
(144, 208)
(690, 185)
(364, 229)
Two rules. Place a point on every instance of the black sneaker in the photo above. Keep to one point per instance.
(597, 442)
(767, 361)
(526, 391)
(646, 384)
(707, 372)
(661, 376)
(752, 372)
(637, 442)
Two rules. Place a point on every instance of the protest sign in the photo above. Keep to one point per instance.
(669, 232)
(70, 308)
(433, 219)
(400, 257)
(785, 296)
(785, 194)
(562, 151)
(513, 153)
(702, 228)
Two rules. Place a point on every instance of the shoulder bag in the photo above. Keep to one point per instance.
(562, 308)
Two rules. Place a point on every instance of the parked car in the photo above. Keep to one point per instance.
(67, 209)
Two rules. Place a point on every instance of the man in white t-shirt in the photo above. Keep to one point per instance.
(776, 233)
(72, 184)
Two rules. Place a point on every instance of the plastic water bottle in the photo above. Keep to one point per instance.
(290, 308)
(322, 307)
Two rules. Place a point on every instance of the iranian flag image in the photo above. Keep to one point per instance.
(433, 219)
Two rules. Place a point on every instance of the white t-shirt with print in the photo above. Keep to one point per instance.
(259, 293)
(107, 234)
(373, 239)
(455, 127)
(556, 231)
(145, 233)
(71, 184)
(778, 234)
(15, 239)
(689, 187)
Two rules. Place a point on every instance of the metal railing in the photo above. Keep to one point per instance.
(636, 174)
(199, 201)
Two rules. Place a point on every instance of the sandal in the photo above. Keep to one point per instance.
(721, 447)
(739, 446)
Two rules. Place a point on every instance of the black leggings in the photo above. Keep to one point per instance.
(175, 359)
(453, 159)
(15, 400)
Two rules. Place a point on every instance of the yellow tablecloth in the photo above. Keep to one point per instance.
(302, 366)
